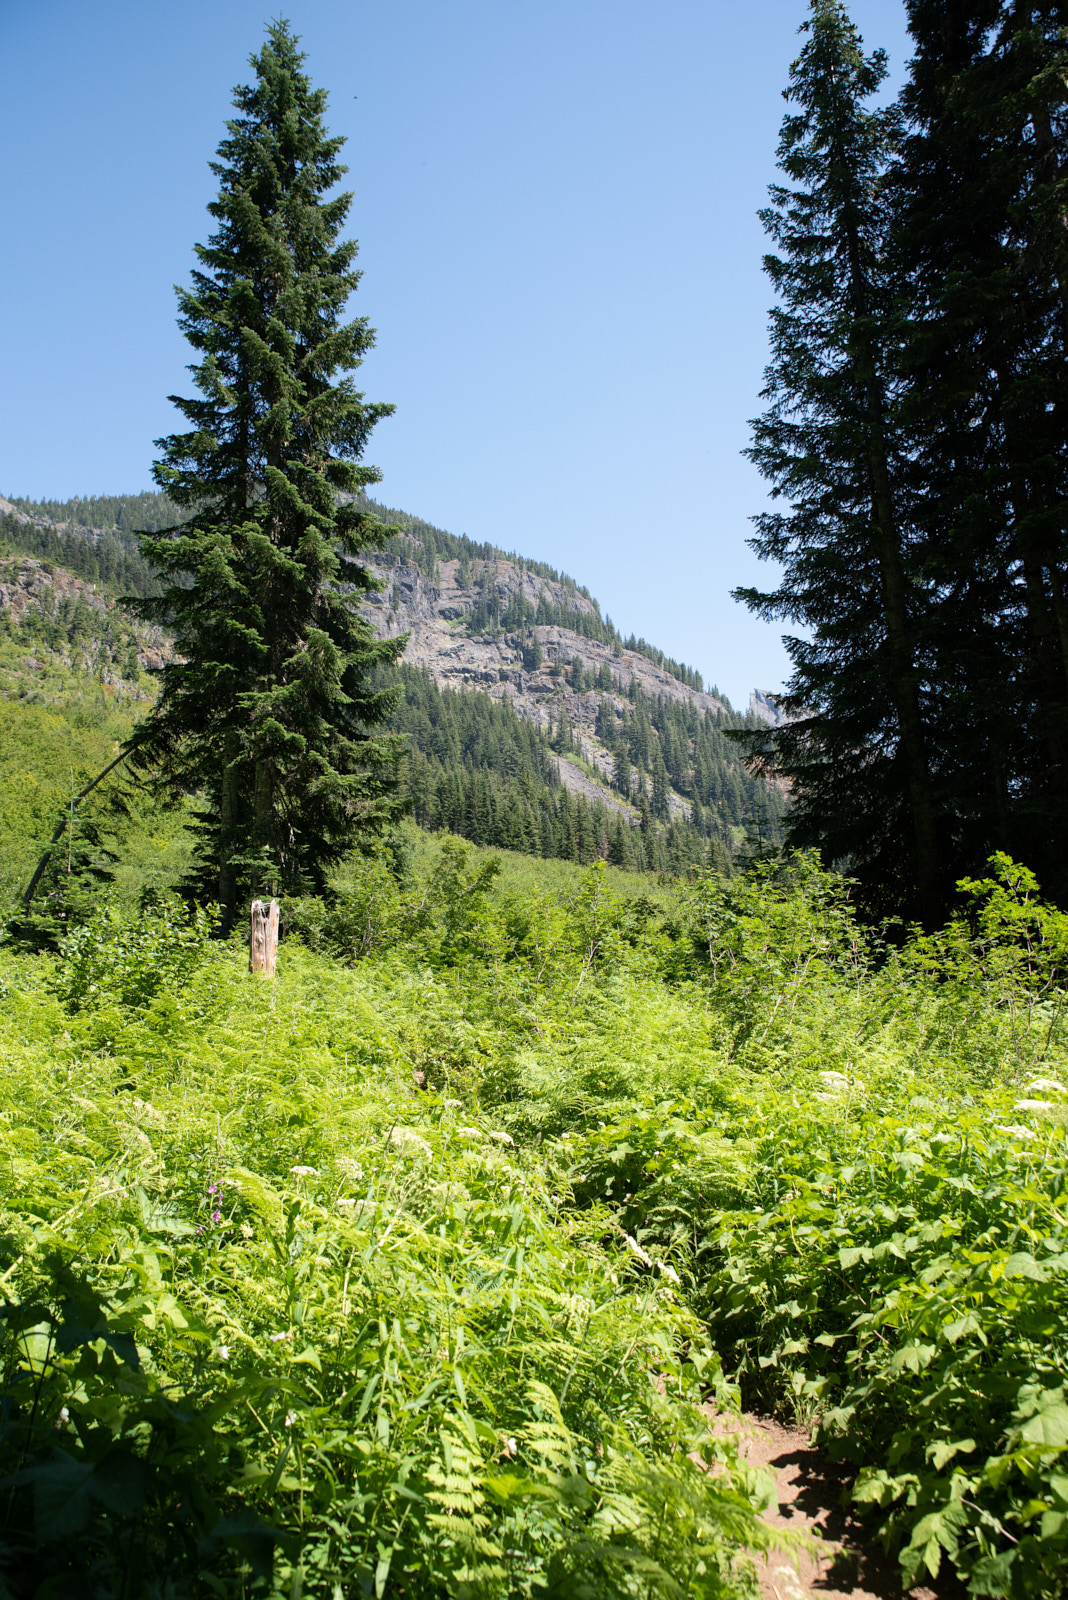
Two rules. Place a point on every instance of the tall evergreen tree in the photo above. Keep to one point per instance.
(982, 244)
(661, 803)
(858, 756)
(269, 711)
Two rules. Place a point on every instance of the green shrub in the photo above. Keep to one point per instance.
(314, 1318)
(274, 1321)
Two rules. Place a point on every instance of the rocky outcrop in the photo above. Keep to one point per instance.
(764, 708)
(436, 617)
(38, 591)
(29, 585)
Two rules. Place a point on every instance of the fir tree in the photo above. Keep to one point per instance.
(859, 759)
(661, 803)
(983, 192)
(269, 711)
(532, 652)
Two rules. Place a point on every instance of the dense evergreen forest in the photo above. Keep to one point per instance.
(915, 439)
(481, 771)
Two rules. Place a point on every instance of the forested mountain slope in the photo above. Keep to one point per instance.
(533, 723)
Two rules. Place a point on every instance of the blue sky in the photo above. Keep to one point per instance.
(555, 204)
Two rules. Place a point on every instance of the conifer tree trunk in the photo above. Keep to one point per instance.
(903, 675)
(227, 834)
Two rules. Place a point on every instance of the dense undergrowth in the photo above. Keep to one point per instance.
(405, 1274)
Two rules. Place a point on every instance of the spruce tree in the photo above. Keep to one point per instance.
(661, 802)
(983, 251)
(858, 757)
(270, 711)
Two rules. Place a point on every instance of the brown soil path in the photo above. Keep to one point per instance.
(809, 1490)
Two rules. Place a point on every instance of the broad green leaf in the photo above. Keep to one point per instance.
(1048, 1426)
(944, 1450)
(1024, 1265)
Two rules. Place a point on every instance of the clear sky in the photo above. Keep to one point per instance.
(555, 202)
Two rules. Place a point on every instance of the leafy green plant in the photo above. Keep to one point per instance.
(320, 1287)
(275, 1321)
(893, 1269)
(132, 959)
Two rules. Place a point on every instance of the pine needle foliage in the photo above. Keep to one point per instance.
(830, 444)
(269, 711)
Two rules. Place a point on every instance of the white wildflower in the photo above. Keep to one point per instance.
(510, 1447)
(305, 1172)
(1048, 1085)
(275, 1337)
(669, 1272)
(1015, 1131)
(581, 1306)
(835, 1080)
(469, 1133)
(291, 1417)
(633, 1244)
(1033, 1105)
(346, 1203)
(452, 1103)
(501, 1137)
(147, 1112)
(408, 1136)
(224, 1352)
(64, 1414)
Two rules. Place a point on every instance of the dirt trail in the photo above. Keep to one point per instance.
(809, 1489)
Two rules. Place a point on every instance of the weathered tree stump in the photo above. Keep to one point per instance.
(263, 938)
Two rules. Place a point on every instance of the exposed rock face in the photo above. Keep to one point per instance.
(763, 707)
(28, 585)
(434, 616)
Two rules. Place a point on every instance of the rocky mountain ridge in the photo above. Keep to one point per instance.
(622, 725)
(531, 664)
(55, 610)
